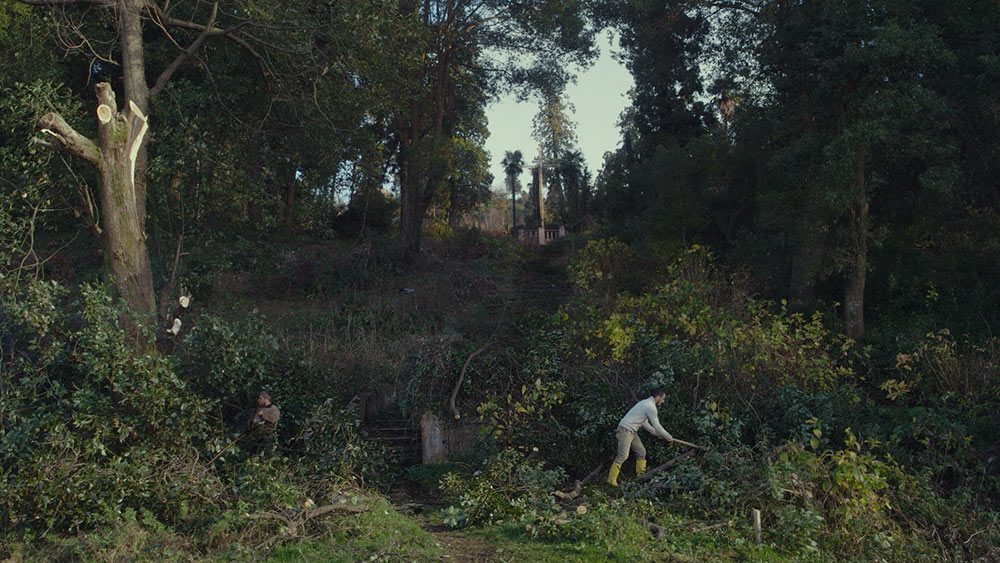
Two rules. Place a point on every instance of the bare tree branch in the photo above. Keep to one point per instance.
(461, 377)
(659, 468)
(66, 2)
(229, 33)
(165, 76)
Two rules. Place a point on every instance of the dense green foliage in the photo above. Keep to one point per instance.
(837, 128)
(93, 433)
(842, 461)
(798, 239)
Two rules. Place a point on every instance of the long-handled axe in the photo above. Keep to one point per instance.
(690, 445)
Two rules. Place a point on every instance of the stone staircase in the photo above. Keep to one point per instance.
(400, 435)
(540, 287)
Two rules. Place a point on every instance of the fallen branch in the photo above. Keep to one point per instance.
(223, 450)
(271, 515)
(293, 523)
(572, 494)
(659, 468)
(574, 508)
(461, 375)
(353, 508)
(592, 474)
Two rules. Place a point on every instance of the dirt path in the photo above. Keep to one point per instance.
(459, 546)
(541, 286)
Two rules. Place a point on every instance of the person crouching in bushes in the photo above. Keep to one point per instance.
(264, 423)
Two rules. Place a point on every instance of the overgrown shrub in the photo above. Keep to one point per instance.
(90, 429)
(942, 364)
(730, 343)
(602, 266)
(848, 494)
(508, 486)
(230, 361)
(331, 444)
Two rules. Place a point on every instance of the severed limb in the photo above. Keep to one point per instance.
(60, 136)
(663, 467)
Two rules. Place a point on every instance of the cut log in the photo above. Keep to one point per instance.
(572, 494)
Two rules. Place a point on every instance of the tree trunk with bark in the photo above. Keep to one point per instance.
(136, 89)
(114, 154)
(420, 133)
(854, 288)
(415, 198)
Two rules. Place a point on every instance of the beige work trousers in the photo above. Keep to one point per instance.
(628, 440)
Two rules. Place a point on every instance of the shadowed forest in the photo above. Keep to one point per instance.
(797, 238)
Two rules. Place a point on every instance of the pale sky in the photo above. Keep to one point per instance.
(599, 96)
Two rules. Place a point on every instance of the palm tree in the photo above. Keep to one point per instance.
(513, 165)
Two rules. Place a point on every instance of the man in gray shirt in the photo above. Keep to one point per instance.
(642, 415)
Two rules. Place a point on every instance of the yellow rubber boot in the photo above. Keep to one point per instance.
(640, 467)
(613, 474)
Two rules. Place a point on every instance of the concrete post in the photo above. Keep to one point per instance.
(432, 441)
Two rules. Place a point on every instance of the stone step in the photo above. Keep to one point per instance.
(400, 435)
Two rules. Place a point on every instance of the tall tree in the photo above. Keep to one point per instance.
(645, 188)
(119, 152)
(513, 166)
(459, 40)
(860, 128)
(292, 83)
(555, 133)
(575, 181)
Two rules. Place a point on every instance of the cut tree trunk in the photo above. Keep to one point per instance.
(114, 153)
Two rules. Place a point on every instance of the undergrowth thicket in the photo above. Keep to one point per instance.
(845, 458)
(104, 452)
